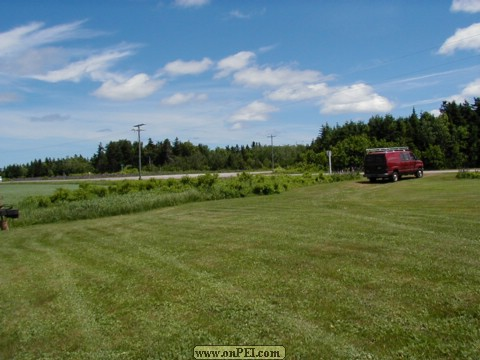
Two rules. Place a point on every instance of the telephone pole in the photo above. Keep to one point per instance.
(329, 154)
(271, 141)
(138, 129)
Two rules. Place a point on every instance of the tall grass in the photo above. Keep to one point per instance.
(105, 206)
(89, 200)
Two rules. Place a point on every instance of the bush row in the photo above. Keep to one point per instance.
(127, 196)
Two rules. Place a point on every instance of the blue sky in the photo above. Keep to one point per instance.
(74, 74)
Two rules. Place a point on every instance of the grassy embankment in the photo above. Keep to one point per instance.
(341, 270)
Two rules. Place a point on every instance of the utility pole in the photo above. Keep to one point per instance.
(329, 154)
(271, 141)
(138, 129)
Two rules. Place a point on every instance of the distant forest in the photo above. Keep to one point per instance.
(447, 141)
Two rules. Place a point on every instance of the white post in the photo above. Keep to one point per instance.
(329, 154)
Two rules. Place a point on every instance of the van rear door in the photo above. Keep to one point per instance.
(375, 164)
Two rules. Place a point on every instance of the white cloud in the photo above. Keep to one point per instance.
(470, 91)
(33, 35)
(182, 98)
(355, 98)
(298, 92)
(256, 77)
(255, 111)
(114, 86)
(470, 6)
(16, 40)
(267, 48)
(34, 61)
(95, 66)
(234, 63)
(136, 87)
(464, 39)
(239, 15)
(423, 102)
(191, 3)
(180, 67)
(31, 49)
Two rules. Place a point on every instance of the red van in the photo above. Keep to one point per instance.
(391, 163)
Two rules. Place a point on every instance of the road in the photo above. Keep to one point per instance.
(135, 177)
(179, 176)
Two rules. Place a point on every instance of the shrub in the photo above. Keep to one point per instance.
(468, 175)
(206, 181)
(187, 181)
(61, 194)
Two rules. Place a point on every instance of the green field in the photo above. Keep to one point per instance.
(346, 270)
(12, 193)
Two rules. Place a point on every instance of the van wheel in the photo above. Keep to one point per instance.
(395, 176)
(419, 173)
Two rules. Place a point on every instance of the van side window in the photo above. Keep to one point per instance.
(405, 156)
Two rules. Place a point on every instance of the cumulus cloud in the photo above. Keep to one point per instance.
(257, 77)
(255, 111)
(191, 3)
(469, 6)
(470, 91)
(182, 98)
(464, 39)
(136, 87)
(355, 98)
(180, 67)
(234, 63)
(299, 85)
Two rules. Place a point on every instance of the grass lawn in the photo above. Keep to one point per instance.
(12, 193)
(347, 270)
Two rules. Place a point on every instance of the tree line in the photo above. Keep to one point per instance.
(448, 140)
(122, 157)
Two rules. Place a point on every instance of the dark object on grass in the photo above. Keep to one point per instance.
(5, 214)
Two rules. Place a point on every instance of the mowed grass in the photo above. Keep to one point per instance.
(347, 270)
(12, 193)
